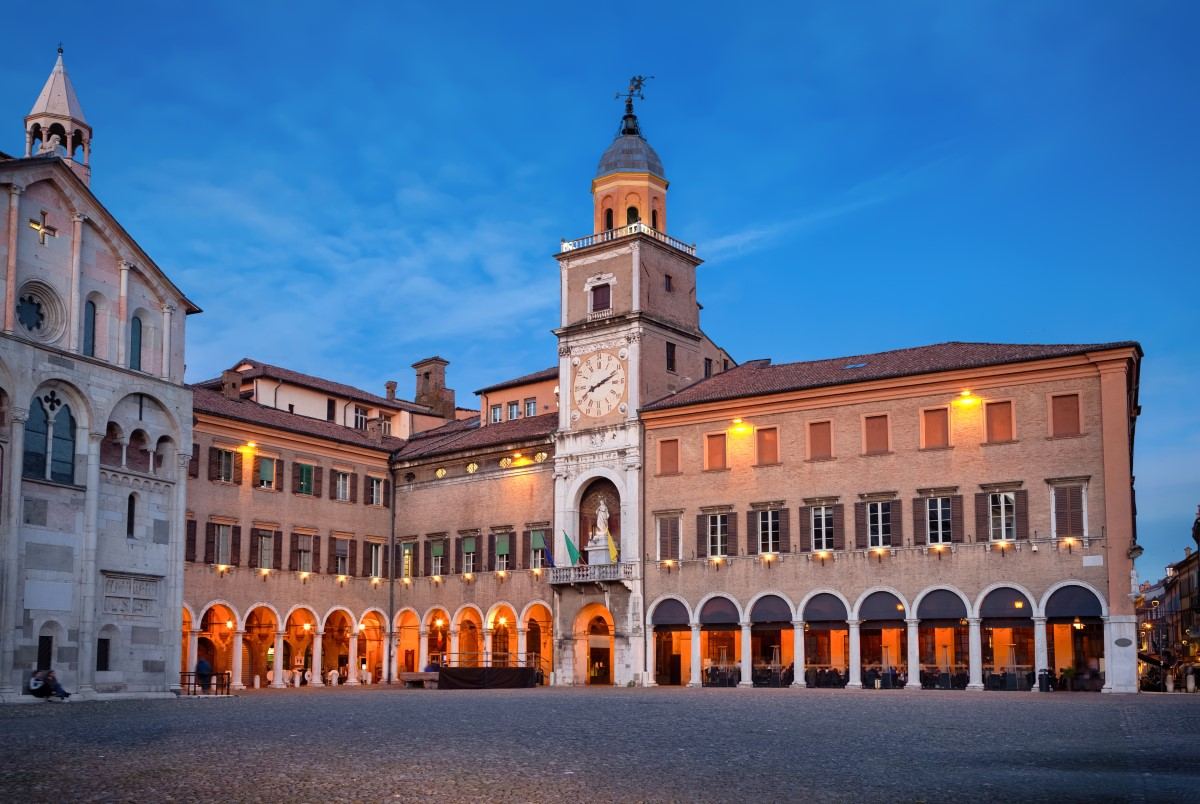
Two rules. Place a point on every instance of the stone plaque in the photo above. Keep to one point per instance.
(133, 595)
(1123, 642)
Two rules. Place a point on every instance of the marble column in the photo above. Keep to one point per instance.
(747, 666)
(453, 658)
(193, 651)
(651, 679)
(173, 590)
(422, 649)
(75, 319)
(976, 653)
(1041, 659)
(489, 647)
(694, 680)
(798, 653)
(165, 371)
(318, 679)
(352, 670)
(914, 655)
(88, 580)
(12, 527)
(123, 313)
(236, 681)
(522, 637)
(10, 282)
(855, 669)
(277, 667)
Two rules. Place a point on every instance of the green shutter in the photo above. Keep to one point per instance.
(539, 540)
(439, 548)
(469, 544)
(266, 470)
(501, 544)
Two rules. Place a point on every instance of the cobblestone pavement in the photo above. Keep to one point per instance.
(607, 745)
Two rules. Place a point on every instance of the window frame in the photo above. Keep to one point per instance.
(265, 546)
(1008, 515)
(222, 455)
(879, 527)
(304, 556)
(312, 478)
(408, 558)
(136, 336)
(1012, 420)
(822, 529)
(769, 536)
(708, 467)
(495, 414)
(678, 457)
(592, 308)
(659, 519)
(361, 414)
(1082, 485)
(341, 485)
(375, 559)
(718, 534)
(375, 486)
(537, 555)
(943, 533)
(949, 427)
(758, 461)
(887, 435)
(808, 440)
(530, 407)
(89, 328)
(672, 358)
(222, 543)
(341, 556)
(1050, 418)
(263, 463)
(514, 410)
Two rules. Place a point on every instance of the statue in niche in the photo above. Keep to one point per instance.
(602, 518)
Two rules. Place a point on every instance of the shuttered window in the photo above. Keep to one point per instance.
(938, 520)
(875, 435)
(668, 457)
(537, 558)
(768, 531)
(304, 552)
(999, 422)
(1064, 414)
(879, 524)
(935, 428)
(1068, 512)
(668, 538)
(767, 445)
(1002, 516)
(820, 440)
(714, 451)
(822, 527)
(502, 550)
(718, 535)
(601, 298)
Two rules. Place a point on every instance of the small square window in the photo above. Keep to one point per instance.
(497, 414)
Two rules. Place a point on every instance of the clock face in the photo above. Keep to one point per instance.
(599, 384)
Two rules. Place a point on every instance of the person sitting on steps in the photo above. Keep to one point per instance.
(44, 684)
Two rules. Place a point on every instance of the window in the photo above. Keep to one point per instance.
(50, 440)
(1069, 514)
(820, 441)
(1064, 415)
(375, 559)
(601, 298)
(304, 552)
(875, 435)
(1002, 516)
(503, 547)
(608, 219)
(768, 531)
(360, 417)
(304, 478)
(265, 548)
(879, 524)
(822, 527)
(497, 414)
(935, 428)
(999, 422)
(468, 554)
(714, 451)
(130, 515)
(437, 557)
(530, 408)
(668, 456)
(668, 538)
(223, 542)
(266, 473)
(766, 445)
(225, 463)
(670, 356)
(376, 491)
(514, 410)
(331, 410)
(408, 552)
(631, 216)
(386, 421)
(103, 648)
(537, 549)
(937, 517)
(341, 556)
(135, 344)
(341, 486)
(89, 329)
(708, 367)
(668, 285)
(654, 222)
(718, 535)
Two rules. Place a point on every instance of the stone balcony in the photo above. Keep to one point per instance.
(594, 573)
(631, 230)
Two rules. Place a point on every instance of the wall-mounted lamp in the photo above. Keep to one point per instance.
(437, 579)
(667, 564)
(716, 562)
(537, 572)
(878, 551)
(1069, 542)
(468, 577)
(966, 399)
(229, 624)
(822, 555)
(341, 579)
(221, 569)
(307, 626)
(769, 558)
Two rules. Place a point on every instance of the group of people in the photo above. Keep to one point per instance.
(44, 684)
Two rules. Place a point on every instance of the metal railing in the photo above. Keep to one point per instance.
(627, 231)
(594, 573)
(206, 684)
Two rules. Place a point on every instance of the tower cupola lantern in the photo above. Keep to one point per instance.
(56, 125)
(630, 185)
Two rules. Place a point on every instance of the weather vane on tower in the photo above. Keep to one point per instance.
(629, 124)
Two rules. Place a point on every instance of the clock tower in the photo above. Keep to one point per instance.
(629, 334)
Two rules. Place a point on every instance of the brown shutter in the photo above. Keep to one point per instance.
(701, 536)
(352, 562)
(674, 525)
(277, 552)
(354, 487)
(210, 542)
(294, 554)
(714, 447)
(668, 451)
(252, 559)
(387, 561)
(491, 552)
(428, 556)
(213, 463)
(189, 549)
(331, 559)
(999, 422)
(316, 554)
(785, 531)
(820, 440)
(767, 445)
(458, 560)
(956, 519)
(257, 471)
(295, 477)
(1065, 414)
(860, 526)
(1022, 512)
(839, 527)
(876, 434)
(920, 526)
(333, 482)
(237, 466)
(1075, 494)
(194, 462)
(981, 517)
(387, 494)
(318, 476)
(937, 428)
(804, 542)
(896, 516)
(751, 531)
(279, 474)
(732, 539)
(366, 487)
(235, 547)
(525, 556)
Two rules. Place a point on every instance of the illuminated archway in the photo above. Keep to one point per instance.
(595, 645)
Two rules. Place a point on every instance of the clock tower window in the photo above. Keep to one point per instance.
(631, 216)
(608, 219)
(601, 298)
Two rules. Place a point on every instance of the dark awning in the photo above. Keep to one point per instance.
(669, 612)
(1073, 601)
(881, 606)
(771, 609)
(719, 611)
(941, 604)
(825, 608)
(1006, 602)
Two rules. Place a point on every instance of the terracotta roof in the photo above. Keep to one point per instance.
(468, 435)
(268, 371)
(759, 377)
(214, 403)
(537, 376)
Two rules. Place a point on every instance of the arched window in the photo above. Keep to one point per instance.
(62, 453)
(89, 329)
(654, 219)
(135, 344)
(631, 216)
(130, 515)
(608, 219)
(50, 440)
(37, 429)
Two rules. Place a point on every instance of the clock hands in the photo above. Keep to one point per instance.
(606, 379)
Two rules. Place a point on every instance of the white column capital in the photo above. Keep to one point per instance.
(15, 189)
(78, 217)
(124, 265)
(19, 415)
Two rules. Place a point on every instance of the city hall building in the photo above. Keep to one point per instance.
(647, 511)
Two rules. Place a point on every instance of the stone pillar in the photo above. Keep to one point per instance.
(318, 679)
(75, 319)
(87, 579)
(1041, 658)
(167, 310)
(855, 669)
(12, 527)
(1120, 660)
(522, 647)
(975, 681)
(797, 653)
(123, 314)
(453, 658)
(178, 527)
(193, 651)
(277, 667)
(747, 667)
(422, 649)
(10, 282)
(694, 680)
(352, 670)
(488, 648)
(236, 681)
(914, 655)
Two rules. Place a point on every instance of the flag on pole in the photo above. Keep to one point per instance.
(612, 548)
(572, 550)
(547, 553)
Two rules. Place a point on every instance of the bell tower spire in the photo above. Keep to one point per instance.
(56, 123)
(630, 186)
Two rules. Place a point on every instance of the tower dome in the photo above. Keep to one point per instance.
(630, 186)
(629, 152)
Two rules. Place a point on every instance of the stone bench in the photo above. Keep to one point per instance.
(427, 680)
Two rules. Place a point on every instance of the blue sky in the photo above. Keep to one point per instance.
(346, 193)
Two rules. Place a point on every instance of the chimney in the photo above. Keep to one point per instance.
(231, 384)
(375, 429)
(390, 385)
(431, 386)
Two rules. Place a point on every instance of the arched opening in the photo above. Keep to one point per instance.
(470, 640)
(631, 216)
(89, 328)
(186, 659)
(654, 219)
(215, 640)
(163, 456)
(771, 642)
(112, 450)
(131, 516)
(596, 647)
(438, 639)
(608, 219)
(944, 641)
(1006, 620)
(1075, 639)
(408, 642)
(259, 647)
(49, 440)
(720, 646)
(107, 648)
(503, 648)
(371, 648)
(135, 343)
(335, 648)
(539, 642)
(883, 640)
(137, 454)
(599, 521)
(672, 643)
(299, 638)
(826, 641)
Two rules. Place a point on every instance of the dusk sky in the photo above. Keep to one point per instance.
(344, 192)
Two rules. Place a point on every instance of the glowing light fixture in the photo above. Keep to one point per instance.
(307, 626)
(229, 624)
(504, 620)
(472, 468)
(439, 622)
(966, 399)
(1018, 604)
(1077, 624)
(739, 426)
(440, 472)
